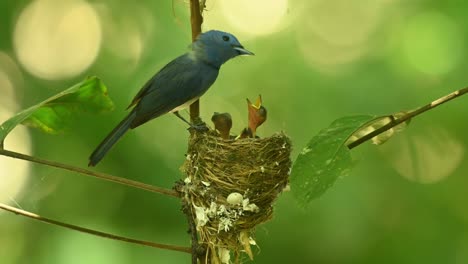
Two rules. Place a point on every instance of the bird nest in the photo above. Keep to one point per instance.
(230, 188)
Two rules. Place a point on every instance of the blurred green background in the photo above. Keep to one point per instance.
(315, 61)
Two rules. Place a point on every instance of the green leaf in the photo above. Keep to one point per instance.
(54, 114)
(325, 158)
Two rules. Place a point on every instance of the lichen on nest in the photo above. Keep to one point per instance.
(230, 188)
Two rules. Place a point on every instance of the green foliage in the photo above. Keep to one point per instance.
(54, 114)
(325, 158)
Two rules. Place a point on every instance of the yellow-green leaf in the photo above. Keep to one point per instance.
(54, 114)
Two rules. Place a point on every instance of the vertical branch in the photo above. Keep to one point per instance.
(196, 18)
(196, 21)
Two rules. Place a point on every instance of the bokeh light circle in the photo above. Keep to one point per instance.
(433, 43)
(427, 157)
(57, 39)
(13, 173)
(336, 33)
(343, 23)
(246, 17)
(126, 32)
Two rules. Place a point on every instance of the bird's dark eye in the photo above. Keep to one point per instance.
(225, 38)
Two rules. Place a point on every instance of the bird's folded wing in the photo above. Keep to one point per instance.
(172, 67)
(179, 82)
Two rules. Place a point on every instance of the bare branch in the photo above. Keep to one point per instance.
(93, 232)
(99, 175)
(396, 121)
(196, 21)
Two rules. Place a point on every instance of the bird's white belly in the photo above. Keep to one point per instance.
(185, 105)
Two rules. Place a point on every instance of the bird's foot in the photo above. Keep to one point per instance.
(199, 127)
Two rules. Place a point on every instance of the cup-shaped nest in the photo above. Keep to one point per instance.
(230, 188)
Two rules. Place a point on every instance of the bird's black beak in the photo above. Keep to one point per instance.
(242, 51)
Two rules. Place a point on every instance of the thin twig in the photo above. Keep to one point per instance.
(99, 175)
(196, 21)
(396, 121)
(93, 232)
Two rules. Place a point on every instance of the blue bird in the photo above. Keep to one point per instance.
(177, 85)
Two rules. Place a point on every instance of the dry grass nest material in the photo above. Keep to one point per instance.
(230, 188)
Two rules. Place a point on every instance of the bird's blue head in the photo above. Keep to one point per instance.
(216, 47)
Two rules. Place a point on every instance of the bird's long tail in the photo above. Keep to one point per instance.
(111, 139)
